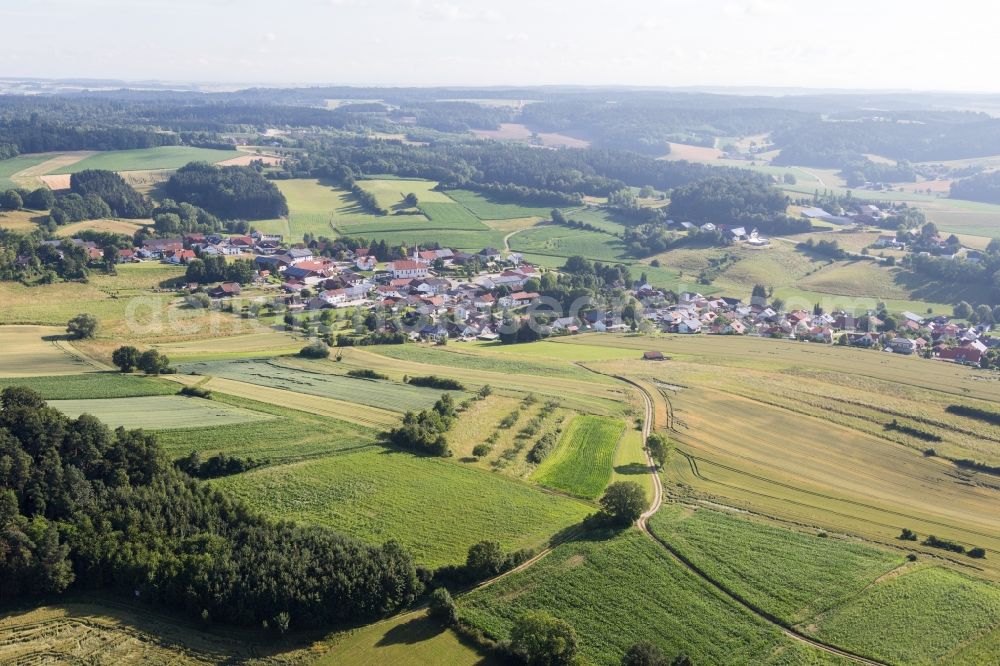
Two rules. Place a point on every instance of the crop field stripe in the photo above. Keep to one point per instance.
(158, 412)
(582, 463)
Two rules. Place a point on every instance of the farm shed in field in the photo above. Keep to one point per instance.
(653, 356)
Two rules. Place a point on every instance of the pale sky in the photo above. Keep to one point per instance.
(886, 44)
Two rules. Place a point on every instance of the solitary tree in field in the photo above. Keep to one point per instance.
(624, 502)
(82, 326)
(485, 560)
(411, 200)
(543, 640)
(659, 448)
(126, 358)
(644, 653)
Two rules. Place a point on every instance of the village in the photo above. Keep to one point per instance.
(442, 302)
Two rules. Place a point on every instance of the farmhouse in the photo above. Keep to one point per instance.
(653, 356)
(225, 290)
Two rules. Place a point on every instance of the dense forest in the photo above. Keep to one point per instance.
(494, 165)
(232, 192)
(916, 137)
(86, 507)
(737, 199)
(981, 187)
(121, 198)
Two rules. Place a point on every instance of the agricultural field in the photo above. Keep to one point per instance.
(290, 435)
(159, 412)
(583, 461)
(15, 165)
(930, 615)
(451, 216)
(315, 378)
(630, 462)
(143, 159)
(260, 343)
(88, 631)
(561, 242)
(124, 227)
(28, 351)
(486, 209)
(798, 431)
(390, 192)
(436, 508)
(93, 385)
(21, 220)
(411, 639)
(795, 576)
(312, 207)
(623, 589)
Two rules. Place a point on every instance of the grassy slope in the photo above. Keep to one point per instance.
(582, 462)
(619, 591)
(790, 574)
(435, 508)
(93, 385)
(164, 157)
(159, 412)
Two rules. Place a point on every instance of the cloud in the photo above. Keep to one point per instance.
(516, 37)
(270, 36)
(752, 8)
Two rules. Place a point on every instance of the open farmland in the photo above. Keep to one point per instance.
(390, 192)
(290, 435)
(142, 159)
(93, 385)
(815, 450)
(561, 242)
(435, 508)
(21, 220)
(38, 350)
(926, 616)
(582, 462)
(411, 639)
(314, 379)
(485, 208)
(109, 632)
(159, 412)
(15, 165)
(624, 589)
(451, 216)
(795, 576)
(124, 227)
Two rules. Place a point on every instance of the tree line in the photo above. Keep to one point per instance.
(82, 506)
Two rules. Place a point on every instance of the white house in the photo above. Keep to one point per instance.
(408, 269)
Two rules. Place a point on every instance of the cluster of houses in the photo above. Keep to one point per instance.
(936, 336)
(469, 309)
(733, 234)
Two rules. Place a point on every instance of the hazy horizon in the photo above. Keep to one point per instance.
(750, 44)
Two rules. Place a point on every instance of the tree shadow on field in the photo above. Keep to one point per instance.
(417, 630)
(58, 337)
(632, 468)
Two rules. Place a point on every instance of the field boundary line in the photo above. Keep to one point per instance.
(643, 524)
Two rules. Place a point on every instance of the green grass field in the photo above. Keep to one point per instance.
(390, 192)
(583, 460)
(436, 508)
(561, 242)
(93, 385)
(143, 159)
(314, 379)
(17, 164)
(290, 435)
(159, 412)
(928, 616)
(792, 575)
(486, 209)
(626, 589)
(451, 216)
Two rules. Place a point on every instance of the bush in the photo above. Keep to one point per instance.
(82, 326)
(977, 552)
(316, 349)
(481, 450)
(366, 374)
(908, 535)
(435, 382)
(441, 607)
(195, 392)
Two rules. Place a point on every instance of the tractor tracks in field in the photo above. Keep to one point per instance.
(643, 524)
